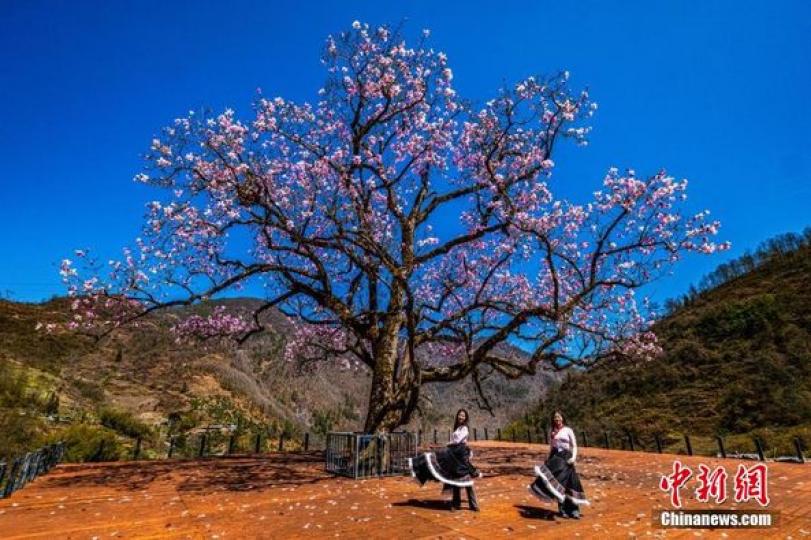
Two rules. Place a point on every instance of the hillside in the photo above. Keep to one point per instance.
(737, 361)
(140, 381)
(737, 358)
(145, 377)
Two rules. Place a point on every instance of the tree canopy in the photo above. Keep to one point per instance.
(399, 226)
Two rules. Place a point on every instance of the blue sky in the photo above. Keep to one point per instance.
(716, 92)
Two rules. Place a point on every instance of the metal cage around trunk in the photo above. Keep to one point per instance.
(364, 455)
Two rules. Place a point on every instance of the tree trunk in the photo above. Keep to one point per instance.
(392, 399)
(384, 416)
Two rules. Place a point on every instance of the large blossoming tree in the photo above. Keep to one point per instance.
(399, 227)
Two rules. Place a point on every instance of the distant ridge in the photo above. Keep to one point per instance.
(140, 378)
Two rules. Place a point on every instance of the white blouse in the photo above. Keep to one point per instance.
(459, 435)
(564, 440)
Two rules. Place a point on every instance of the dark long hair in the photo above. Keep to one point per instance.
(456, 423)
(552, 421)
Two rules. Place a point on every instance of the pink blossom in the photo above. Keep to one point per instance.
(391, 201)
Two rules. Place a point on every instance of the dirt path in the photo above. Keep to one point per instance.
(289, 496)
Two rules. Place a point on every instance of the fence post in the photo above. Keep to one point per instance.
(47, 457)
(529, 436)
(759, 448)
(257, 442)
(545, 434)
(171, 448)
(688, 445)
(498, 434)
(12, 478)
(486, 435)
(798, 446)
(379, 454)
(658, 443)
(19, 480)
(630, 440)
(435, 437)
(36, 462)
(449, 435)
(42, 463)
(36, 465)
(231, 443)
(419, 438)
(30, 467)
(202, 451)
(97, 456)
(137, 453)
(54, 455)
(356, 455)
(585, 439)
(281, 442)
(721, 448)
(307, 441)
(475, 434)
(607, 440)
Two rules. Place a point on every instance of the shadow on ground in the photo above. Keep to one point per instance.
(532, 512)
(428, 505)
(232, 473)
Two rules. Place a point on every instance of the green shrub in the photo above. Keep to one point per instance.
(323, 421)
(85, 442)
(13, 385)
(19, 433)
(181, 421)
(52, 405)
(123, 422)
(89, 390)
(740, 318)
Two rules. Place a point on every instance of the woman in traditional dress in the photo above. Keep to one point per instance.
(557, 478)
(451, 466)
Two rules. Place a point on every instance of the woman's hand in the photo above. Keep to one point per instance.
(570, 461)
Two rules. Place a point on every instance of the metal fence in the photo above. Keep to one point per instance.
(364, 455)
(209, 443)
(25, 468)
(733, 446)
(359, 455)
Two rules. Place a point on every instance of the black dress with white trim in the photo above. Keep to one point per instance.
(450, 465)
(557, 478)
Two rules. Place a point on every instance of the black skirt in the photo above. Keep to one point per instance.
(450, 466)
(558, 480)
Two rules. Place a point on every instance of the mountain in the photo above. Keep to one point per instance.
(140, 381)
(736, 362)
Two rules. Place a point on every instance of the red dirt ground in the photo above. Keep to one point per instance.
(290, 496)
